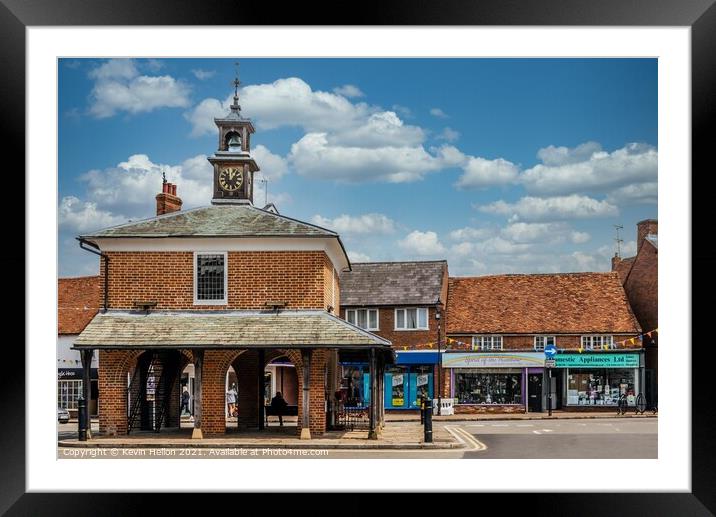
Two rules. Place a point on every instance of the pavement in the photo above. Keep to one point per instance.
(556, 415)
(395, 436)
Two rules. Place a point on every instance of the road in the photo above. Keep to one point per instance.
(605, 438)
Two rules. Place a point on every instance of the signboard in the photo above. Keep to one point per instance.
(550, 351)
(597, 361)
(74, 373)
(550, 363)
(493, 360)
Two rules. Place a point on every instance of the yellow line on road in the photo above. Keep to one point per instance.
(464, 437)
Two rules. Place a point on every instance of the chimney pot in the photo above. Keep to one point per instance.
(174, 189)
(167, 200)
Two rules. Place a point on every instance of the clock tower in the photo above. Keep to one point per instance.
(234, 167)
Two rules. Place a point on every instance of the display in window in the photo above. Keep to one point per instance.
(398, 391)
(488, 388)
(600, 387)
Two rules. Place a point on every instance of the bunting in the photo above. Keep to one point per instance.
(605, 346)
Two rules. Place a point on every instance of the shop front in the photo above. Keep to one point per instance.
(494, 382)
(594, 380)
(405, 382)
(69, 388)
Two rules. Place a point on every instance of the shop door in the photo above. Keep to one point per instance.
(419, 385)
(534, 389)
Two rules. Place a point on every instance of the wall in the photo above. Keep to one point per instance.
(297, 277)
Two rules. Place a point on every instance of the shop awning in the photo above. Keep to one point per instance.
(218, 329)
(416, 357)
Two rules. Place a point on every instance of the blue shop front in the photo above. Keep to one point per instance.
(405, 382)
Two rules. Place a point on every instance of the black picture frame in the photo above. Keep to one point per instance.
(700, 15)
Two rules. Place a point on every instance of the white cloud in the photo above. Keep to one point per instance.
(469, 233)
(80, 217)
(349, 90)
(203, 75)
(201, 117)
(551, 209)
(579, 237)
(369, 224)
(273, 166)
(437, 112)
(404, 111)
(314, 156)
(587, 168)
(480, 172)
(130, 187)
(119, 87)
(381, 129)
(422, 243)
(115, 69)
(636, 193)
(531, 232)
(356, 256)
(448, 134)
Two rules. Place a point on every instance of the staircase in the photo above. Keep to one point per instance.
(150, 390)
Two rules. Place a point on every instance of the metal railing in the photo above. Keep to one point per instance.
(350, 417)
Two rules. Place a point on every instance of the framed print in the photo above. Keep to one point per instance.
(461, 182)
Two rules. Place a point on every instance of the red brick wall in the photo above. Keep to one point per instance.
(412, 339)
(297, 277)
(525, 343)
(642, 288)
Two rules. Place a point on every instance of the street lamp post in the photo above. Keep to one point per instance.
(440, 362)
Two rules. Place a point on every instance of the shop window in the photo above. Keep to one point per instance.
(411, 319)
(354, 385)
(542, 341)
(488, 388)
(487, 342)
(364, 318)
(210, 278)
(598, 342)
(67, 394)
(600, 387)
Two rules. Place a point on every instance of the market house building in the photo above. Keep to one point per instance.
(227, 285)
(498, 327)
(399, 301)
(78, 301)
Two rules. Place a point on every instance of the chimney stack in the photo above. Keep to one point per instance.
(644, 228)
(167, 200)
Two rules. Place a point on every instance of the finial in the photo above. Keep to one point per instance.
(164, 177)
(235, 106)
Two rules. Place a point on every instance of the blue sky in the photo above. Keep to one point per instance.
(498, 165)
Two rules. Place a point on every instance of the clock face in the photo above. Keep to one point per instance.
(231, 178)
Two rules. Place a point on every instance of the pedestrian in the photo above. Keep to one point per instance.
(278, 406)
(185, 401)
(231, 400)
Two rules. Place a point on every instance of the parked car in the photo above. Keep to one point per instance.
(63, 416)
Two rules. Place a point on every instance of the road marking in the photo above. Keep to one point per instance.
(525, 425)
(500, 425)
(466, 438)
(476, 425)
(536, 432)
(547, 430)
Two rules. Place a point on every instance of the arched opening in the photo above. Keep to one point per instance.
(281, 383)
(232, 142)
(152, 385)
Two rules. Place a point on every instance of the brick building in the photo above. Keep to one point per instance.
(399, 301)
(227, 286)
(640, 276)
(78, 301)
(499, 326)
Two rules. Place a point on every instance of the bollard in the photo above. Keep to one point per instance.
(82, 418)
(428, 423)
(422, 410)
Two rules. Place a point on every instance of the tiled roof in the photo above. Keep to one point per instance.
(78, 300)
(392, 283)
(535, 304)
(216, 221)
(623, 267)
(211, 329)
